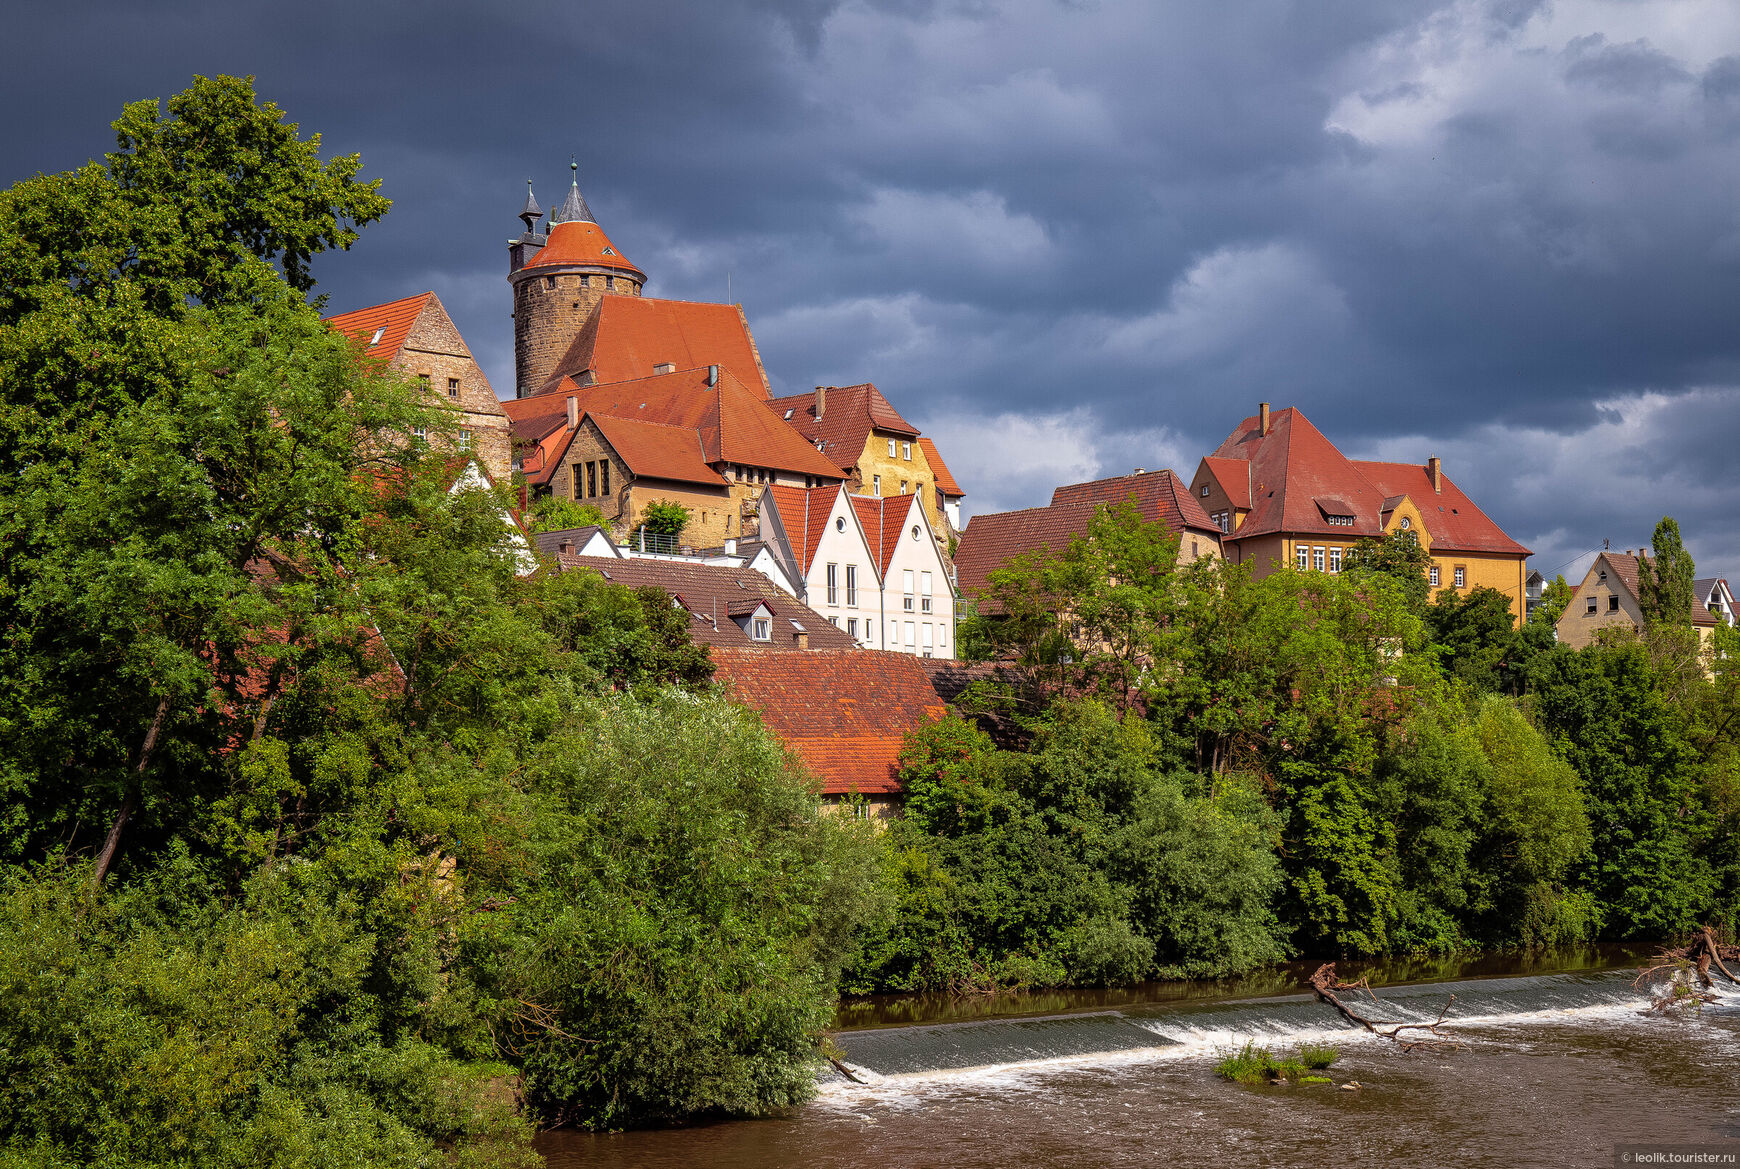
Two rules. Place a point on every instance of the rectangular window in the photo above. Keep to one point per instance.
(924, 583)
(942, 636)
(894, 633)
(891, 448)
(604, 477)
(1593, 604)
(464, 439)
(910, 631)
(419, 432)
(851, 584)
(906, 589)
(1613, 604)
(452, 387)
(1460, 577)
(1335, 560)
(876, 485)
(423, 381)
(903, 487)
(592, 480)
(852, 626)
(833, 584)
(578, 474)
(761, 632)
(924, 636)
(906, 451)
(1432, 575)
(1317, 559)
(1301, 557)
(834, 621)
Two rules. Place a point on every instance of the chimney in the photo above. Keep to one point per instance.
(803, 639)
(1263, 419)
(665, 367)
(821, 401)
(573, 413)
(712, 375)
(1140, 471)
(1434, 469)
(567, 545)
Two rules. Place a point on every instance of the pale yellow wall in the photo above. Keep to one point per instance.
(875, 461)
(1577, 626)
(1507, 574)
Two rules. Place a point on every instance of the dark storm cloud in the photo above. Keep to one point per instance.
(1070, 238)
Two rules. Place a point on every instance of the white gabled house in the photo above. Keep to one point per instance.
(918, 599)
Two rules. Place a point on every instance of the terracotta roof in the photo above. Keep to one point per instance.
(940, 470)
(1624, 566)
(712, 592)
(653, 450)
(849, 414)
(382, 328)
(1161, 495)
(844, 713)
(881, 528)
(581, 242)
(624, 337)
(1456, 523)
(730, 422)
(803, 513)
(1234, 477)
(991, 540)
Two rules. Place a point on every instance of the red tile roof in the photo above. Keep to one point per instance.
(1234, 477)
(581, 242)
(940, 470)
(1292, 468)
(849, 415)
(390, 322)
(844, 713)
(1625, 567)
(654, 451)
(712, 593)
(1161, 495)
(624, 337)
(1454, 521)
(803, 513)
(882, 518)
(991, 540)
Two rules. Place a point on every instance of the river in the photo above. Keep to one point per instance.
(1558, 1065)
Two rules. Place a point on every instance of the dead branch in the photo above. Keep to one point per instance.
(1324, 983)
(1679, 966)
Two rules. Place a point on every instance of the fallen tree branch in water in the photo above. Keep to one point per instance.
(1324, 983)
(1678, 965)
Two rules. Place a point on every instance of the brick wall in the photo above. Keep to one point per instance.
(434, 350)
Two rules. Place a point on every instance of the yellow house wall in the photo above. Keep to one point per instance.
(1507, 574)
(916, 470)
(1577, 626)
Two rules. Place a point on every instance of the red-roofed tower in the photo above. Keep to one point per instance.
(557, 280)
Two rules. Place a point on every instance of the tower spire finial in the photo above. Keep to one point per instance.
(574, 207)
(531, 212)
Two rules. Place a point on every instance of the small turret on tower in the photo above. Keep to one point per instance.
(557, 281)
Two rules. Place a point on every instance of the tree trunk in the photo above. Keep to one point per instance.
(112, 843)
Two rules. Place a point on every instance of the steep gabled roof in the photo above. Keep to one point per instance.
(991, 540)
(711, 593)
(803, 513)
(1455, 522)
(882, 517)
(654, 451)
(382, 328)
(1161, 495)
(849, 414)
(846, 713)
(624, 337)
(1290, 469)
(1234, 477)
(939, 469)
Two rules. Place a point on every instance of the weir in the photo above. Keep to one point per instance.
(892, 1051)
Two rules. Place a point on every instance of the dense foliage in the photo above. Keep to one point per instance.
(328, 833)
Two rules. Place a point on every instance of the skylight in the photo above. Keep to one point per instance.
(379, 333)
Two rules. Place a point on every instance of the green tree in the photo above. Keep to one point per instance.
(1397, 555)
(665, 517)
(1554, 597)
(1475, 630)
(551, 514)
(1664, 581)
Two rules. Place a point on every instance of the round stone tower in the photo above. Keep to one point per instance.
(557, 280)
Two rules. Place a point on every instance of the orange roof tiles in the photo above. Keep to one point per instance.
(1454, 521)
(581, 242)
(1161, 495)
(626, 336)
(939, 469)
(844, 713)
(653, 450)
(382, 328)
(804, 515)
(992, 540)
(1234, 477)
(849, 415)
(882, 529)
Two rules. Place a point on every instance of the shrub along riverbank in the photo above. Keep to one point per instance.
(326, 836)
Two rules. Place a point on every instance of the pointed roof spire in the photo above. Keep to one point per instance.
(531, 212)
(574, 207)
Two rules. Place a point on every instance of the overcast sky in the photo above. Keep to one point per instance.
(1068, 238)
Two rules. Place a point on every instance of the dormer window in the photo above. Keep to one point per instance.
(761, 629)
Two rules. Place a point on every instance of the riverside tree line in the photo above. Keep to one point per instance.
(327, 837)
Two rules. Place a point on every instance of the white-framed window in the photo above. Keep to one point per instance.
(924, 592)
(1301, 557)
(906, 451)
(891, 448)
(464, 439)
(875, 485)
(852, 626)
(834, 621)
(1335, 560)
(911, 635)
(1593, 605)
(1432, 576)
(419, 432)
(1460, 576)
(833, 584)
(942, 636)
(894, 633)
(1317, 559)
(924, 634)
(852, 584)
(1205, 491)
(906, 588)
(759, 630)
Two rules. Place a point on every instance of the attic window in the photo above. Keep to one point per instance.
(759, 630)
(840, 524)
(1404, 525)
(608, 252)
(915, 531)
(1205, 491)
(379, 333)
(788, 415)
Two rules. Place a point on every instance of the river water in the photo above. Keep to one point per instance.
(1555, 1069)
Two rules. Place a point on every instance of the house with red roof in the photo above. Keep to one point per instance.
(1610, 596)
(698, 437)
(415, 335)
(1283, 496)
(844, 714)
(580, 318)
(1161, 496)
(870, 564)
(877, 451)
